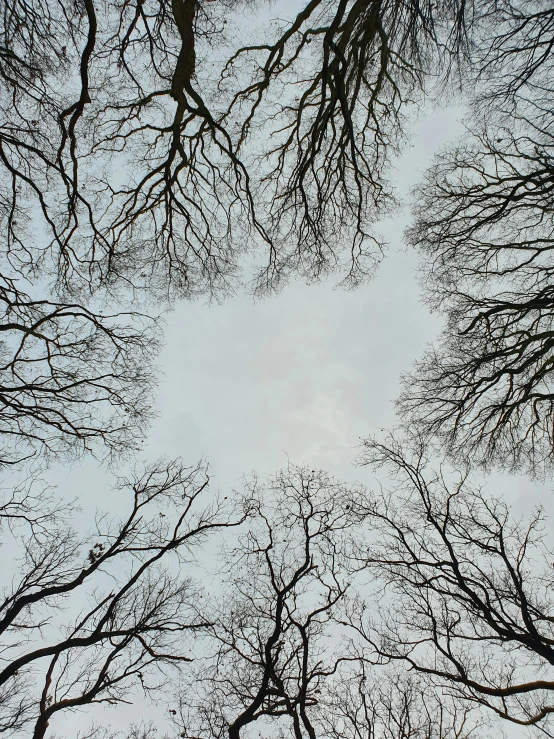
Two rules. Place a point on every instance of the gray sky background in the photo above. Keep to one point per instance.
(302, 374)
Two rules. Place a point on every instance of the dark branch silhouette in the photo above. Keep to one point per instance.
(71, 379)
(283, 580)
(469, 589)
(483, 226)
(97, 619)
(279, 662)
(153, 151)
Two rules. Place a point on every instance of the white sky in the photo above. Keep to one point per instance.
(305, 373)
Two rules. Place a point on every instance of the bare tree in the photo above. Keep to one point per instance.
(377, 703)
(93, 619)
(272, 643)
(136, 731)
(71, 379)
(277, 660)
(145, 147)
(131, 170)
(511, 53)
(332, 92)
(467, 590)
(135, 124)
(483, 226)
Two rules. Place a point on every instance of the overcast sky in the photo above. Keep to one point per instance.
(304, 374)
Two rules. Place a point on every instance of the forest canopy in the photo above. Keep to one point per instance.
(157, 151)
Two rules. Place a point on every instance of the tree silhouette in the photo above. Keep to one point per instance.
(277, 658)
(133, 130)
(71, 378)
(483, 226)
(144, 151)
(88, 620)
(469, 602)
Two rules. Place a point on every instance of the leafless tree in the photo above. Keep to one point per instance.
(95, 619)
(71, 379)
(272, 643)
(131, 129)
(277, 661)
(483, 226)
(137, 731)
(375, 703)
(511, 54)
(130, 169)
(467, 590)
(145, 148)
(332, 91)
